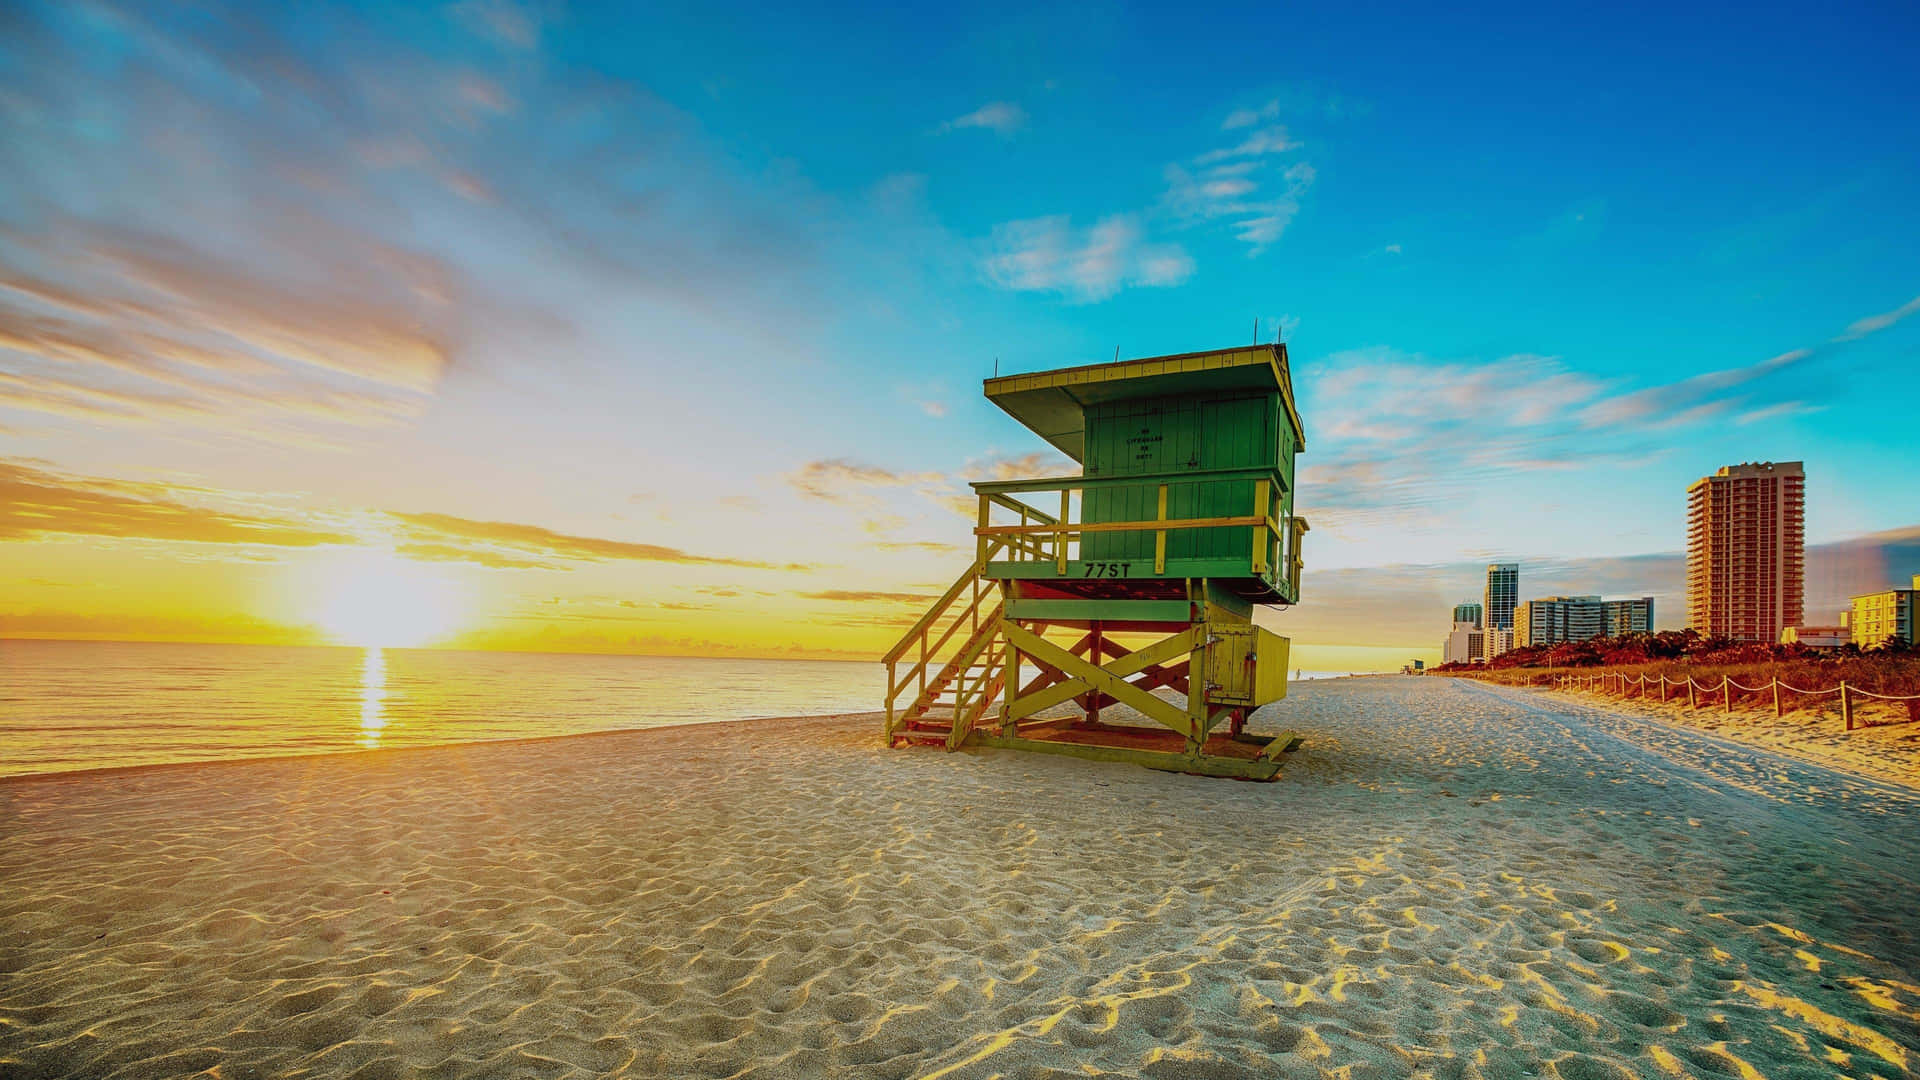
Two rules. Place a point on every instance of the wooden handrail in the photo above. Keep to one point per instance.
(939, 607)
(1142, 525)
(1086, 483)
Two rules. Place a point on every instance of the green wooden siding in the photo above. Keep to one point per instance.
(1175, 435)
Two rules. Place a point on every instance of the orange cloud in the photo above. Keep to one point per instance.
(478, 556)
(838, 480)
(34, 503)
(438, 528)
(860, 596)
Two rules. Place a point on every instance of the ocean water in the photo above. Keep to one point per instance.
(68, 705)
(83, 705)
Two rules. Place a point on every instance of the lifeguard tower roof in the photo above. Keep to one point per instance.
(1054, 403)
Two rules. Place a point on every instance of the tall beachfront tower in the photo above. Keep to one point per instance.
(1746, 550)
(1141, 573)
(1503, 593)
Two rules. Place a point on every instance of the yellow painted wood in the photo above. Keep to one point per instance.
(940, 606)
(1010, 680)
(1229, 671)
(1261, 537)
(1199, 662)
(1060, 538)
(1270, 668)
(1142, 525)
(1280, 744)
(986, 519)
(1160, 536)
(1124, 667)
(1108, 681)
(1299, 526)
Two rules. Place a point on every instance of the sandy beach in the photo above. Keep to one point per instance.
(1884, 745)
(1450, 879)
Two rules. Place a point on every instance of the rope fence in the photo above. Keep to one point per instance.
(1625, 685)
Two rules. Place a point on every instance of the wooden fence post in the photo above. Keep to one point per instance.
(1776, 697)
(1663, 687)
(1692, 700)
(1726, 692)
(1846, 704)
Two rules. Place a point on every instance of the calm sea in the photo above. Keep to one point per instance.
(87, 705)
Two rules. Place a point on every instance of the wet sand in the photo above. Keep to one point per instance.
(1450, 880)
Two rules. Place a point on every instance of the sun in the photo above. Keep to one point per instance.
(377, 599)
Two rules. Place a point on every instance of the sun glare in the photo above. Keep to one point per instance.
(375, 599)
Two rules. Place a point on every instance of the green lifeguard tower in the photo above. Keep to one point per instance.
(1141, 573)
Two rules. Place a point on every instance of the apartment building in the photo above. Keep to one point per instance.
(1884, 616)
(1746, 550)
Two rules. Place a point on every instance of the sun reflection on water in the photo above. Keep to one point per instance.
(373, 697)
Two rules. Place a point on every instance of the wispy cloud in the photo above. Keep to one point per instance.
(1243, 192)
(1018, 466)
(326, 225)
(1787, 382)
(1237, 183)
(492, 537)
(1402, 432)
(36, 503)
(1268, 140)
(866, 596)
(1085, 265)
(1003, 117)
(934, 547)
(1242, 118)
(1873, 324)
(839, 480)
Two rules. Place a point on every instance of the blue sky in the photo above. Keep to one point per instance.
(719, 279)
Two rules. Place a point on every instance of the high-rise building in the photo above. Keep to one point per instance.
(1888, 615)
(1503, 592)
(1496, 642)
(1746, 550)
(1629, 616)
(1554, 619)
(1466, 644)
(1467, 613)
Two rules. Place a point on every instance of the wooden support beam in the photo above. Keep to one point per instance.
(1173, 676)
(1111, 681)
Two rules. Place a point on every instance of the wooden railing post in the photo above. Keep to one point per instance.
(1160, 535)
(1060, 538)
(1726, 692)
(1260, 538)
(891, 694)
(1693, 701)
(1846, 704)
(980, 542)
(1776, 697)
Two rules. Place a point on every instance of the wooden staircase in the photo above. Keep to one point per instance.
(952, 661)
